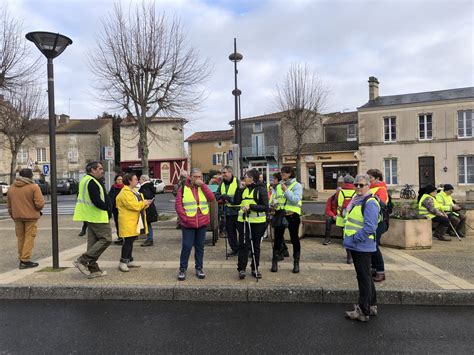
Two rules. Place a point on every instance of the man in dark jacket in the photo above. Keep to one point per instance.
(148, 191)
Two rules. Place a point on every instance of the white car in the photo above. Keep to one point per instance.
(5, 187)
(159, 185)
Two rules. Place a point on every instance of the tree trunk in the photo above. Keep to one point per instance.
(143, 142)
(298, 167)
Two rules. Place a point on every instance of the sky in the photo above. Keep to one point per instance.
(409, 45)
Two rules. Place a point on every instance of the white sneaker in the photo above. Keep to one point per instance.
(96, 274)
(123, 267)
(357, 314)
(133, 264)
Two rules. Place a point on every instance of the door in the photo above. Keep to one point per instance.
(426, 171)
(258, 145)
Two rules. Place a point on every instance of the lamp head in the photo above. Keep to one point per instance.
(50, 44)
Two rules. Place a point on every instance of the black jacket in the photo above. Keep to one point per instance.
(148, 191)
(94, 194)
(113, 192)
(260, 196)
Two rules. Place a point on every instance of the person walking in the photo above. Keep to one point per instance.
(92, 206)
(25, 202)
(253, 200)
(379, 189)
(456, 217)
(273, 204)
(226, 194)
(148, 191)
(113, 192)
(131, 206)
(192, 207)
(290, 195)
(429, 207)
(361, 221)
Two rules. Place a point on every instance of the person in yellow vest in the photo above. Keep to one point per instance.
(92, 206)
(290, 195)
(429, 207)
(132, 220)
(360, 225)
(456, 217)
(252, 197)
(192, 207)
(226, 193)
(273, 204)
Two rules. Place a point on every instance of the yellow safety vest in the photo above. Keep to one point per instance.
(446, 202)
(230, 191)
(190, 204)
(247, 200)
(422, 209)
(343, 195)
(284, 204)
(354, 220)
(85, 210)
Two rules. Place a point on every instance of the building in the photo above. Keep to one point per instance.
(166, 157)
(210, 150)
(419, 139)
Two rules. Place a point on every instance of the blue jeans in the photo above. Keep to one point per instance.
(149, 237)
(193, 237)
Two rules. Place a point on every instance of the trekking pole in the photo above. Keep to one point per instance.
(225, 229)
(455, 231)
(253, 250)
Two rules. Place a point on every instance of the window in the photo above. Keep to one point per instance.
(465, 124)
(41, 154)
(466, 169)
(425, 126)
(351, 133)
(22, 156)
(257, 127)
(389, 129)
(258, 145)
(219, 144)
(390, 166)
(217, 159)
(73, 155)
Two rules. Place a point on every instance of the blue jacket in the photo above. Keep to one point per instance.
(360, 240)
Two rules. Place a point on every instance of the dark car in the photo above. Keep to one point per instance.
(67, 186)
(44, 186)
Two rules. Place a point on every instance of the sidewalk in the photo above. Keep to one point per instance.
(441, 275)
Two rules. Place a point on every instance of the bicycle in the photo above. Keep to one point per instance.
(407, 192)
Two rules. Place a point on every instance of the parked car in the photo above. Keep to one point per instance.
(44, 186)
(5, 187)
(159, 185)
(67, 186)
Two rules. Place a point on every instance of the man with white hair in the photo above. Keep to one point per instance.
(148, 191)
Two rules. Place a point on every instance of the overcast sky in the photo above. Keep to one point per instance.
(410, 46)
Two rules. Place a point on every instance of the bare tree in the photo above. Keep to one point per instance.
(144, 67)
(301, 97)
(16, 65)
(17, 118)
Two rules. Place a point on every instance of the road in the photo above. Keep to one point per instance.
(253, 328)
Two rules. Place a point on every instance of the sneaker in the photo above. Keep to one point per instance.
(257, 274)
(373, 310)
(96, 274)
(147, 243)
(357, 314)
(200, 274)
(182, 275)
(27, 265)
(133, 264)
(81, 267)
(123, 267)
(242, 274)
(327, 241)
(379, 277)
(443, 238)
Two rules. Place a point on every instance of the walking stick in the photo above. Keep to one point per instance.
(225, 230)
(253, 250)
(455, 231)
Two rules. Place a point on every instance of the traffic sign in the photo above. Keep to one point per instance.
(109, 153)
(46, 169)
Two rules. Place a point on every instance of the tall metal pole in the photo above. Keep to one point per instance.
(236, 120)
(52, 160)
(240, 142)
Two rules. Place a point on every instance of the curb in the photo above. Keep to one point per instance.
(232, 294)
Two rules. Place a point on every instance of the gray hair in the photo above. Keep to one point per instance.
(195, 170)
(348, 179)
(362, 177)
(228, 168)
(145, 177)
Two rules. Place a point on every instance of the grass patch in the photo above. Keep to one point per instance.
(50, 269)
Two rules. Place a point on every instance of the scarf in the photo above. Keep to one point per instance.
(356, 200)
(117, 186)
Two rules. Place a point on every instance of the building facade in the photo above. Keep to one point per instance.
(419, 139)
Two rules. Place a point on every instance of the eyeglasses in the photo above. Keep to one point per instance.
(196, 177)
(359, 186)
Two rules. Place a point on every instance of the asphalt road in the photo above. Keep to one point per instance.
(216, 328)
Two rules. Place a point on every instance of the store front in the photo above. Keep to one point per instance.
(332, 171)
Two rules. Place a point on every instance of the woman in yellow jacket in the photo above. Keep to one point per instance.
(131, 218)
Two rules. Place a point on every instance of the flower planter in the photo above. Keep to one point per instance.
(408, 234)
(470, 221)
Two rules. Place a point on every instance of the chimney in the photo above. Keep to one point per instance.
(373, 88)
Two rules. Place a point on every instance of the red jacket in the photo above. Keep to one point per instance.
(331, 206)
(199, 220)
(382, 193)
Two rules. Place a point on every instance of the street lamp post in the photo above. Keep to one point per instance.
(51, 45)
(237, 57)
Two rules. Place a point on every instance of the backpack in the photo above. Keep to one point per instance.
(385, 209)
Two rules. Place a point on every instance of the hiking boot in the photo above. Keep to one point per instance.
(96, 274)
(327, 241)
(200, 274)
(296, 265)
(147, 243)
(133, 264)
(357, 314)
(256, 274)
(443, 238)
(182, 274)
(27, 265)
(379, 277)
(373, 310)
(275, 262)
(82, 267)
(123, 266)
(82, 233)
(242, 274)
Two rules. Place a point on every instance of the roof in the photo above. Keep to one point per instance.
(311, 148)
(210, 136)
(429, 96)
(276, 116)
(130, 120)
(73, 126)
(336, 118)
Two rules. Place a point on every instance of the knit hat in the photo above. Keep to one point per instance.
(429, 189)
(448, 187)
(348, 179)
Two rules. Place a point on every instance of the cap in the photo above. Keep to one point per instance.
(448, 187)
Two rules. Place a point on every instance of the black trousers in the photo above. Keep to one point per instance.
(231, 227)
(257, 229)
(367, 293)
(377, 257)
(329, 222)
(293, 227)
(127, 249)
